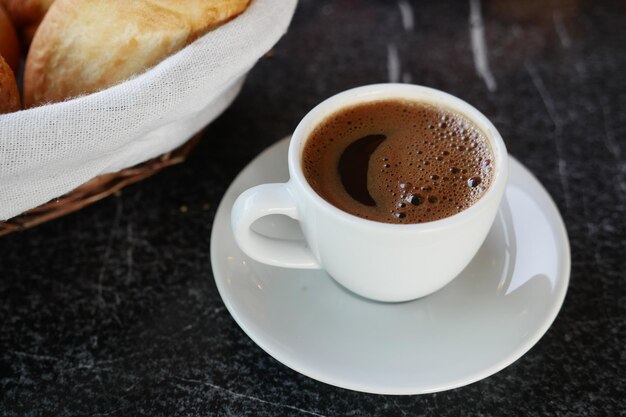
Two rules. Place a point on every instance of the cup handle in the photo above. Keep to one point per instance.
(261, 201)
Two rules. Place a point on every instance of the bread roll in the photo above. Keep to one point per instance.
(83, 46)
(26, 13)
(9, 95)
(9, 45)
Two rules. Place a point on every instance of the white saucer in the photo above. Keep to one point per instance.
(483, 321)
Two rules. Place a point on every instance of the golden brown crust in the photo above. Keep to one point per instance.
(9, 95)
(26, 16)
(9, 45)
(26, 12)
(84, 46)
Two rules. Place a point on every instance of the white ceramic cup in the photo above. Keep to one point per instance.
(381, 261)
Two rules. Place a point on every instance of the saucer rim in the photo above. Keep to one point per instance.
(564, 251)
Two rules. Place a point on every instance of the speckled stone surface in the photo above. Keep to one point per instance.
(112, 311)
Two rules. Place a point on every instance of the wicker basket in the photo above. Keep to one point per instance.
(178, 96)
(96, 189)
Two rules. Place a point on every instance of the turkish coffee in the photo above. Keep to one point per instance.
(398, 161)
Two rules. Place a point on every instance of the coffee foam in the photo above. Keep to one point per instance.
(432, 164)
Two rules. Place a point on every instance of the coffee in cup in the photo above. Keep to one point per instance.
(368, 225)
(398, 161)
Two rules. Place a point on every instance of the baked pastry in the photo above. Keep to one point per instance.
(26, 15)
(9, 95)
(26, 12)
(9, 45)
(83, 46)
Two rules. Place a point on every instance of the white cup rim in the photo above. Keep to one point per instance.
(411, 92)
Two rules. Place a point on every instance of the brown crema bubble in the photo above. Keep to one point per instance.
(357, 160)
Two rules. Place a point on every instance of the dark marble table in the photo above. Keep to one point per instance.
(113, 311)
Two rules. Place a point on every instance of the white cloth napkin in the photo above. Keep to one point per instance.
(48, 151)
